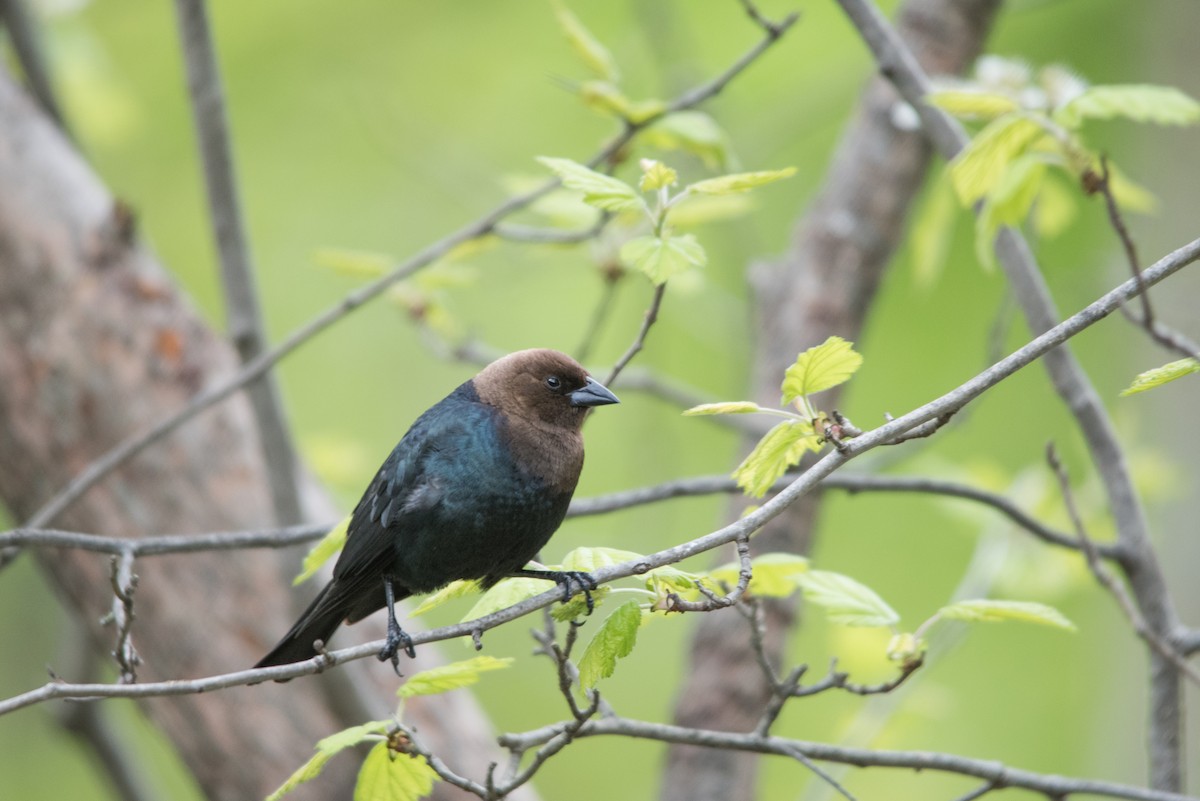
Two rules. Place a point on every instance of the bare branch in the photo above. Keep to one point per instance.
(996, 773)
(639, 341)
(124, 584)
(1171, 340)
(242, 308)
(1106, 578)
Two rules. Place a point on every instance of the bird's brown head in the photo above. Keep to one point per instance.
(542, 387)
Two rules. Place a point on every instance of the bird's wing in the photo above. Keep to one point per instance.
(410, 484)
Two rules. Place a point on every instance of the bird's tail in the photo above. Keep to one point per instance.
(318, 622)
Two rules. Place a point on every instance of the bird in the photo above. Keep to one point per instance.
(473, 490)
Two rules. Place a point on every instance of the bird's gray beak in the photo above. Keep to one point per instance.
(593, 393)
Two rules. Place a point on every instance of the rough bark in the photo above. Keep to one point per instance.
(96, 342)
(822, 286)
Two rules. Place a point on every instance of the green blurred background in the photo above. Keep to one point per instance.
(382, 126)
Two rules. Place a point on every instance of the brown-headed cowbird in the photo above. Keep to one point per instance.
(472, 491)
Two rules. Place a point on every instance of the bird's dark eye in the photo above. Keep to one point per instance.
(554, 382)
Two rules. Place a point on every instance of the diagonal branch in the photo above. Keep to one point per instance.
(258, 366)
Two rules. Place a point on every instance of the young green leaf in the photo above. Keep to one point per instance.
(605, 98)
(589, 559)
(781, 448)
(1161, 375)
(1163, 105)
(933, 230)
(845, 600)
(692, 211)
(660, 259)
(821, 367)
(1014, 193)
(987, 611)
(455, 589)
(728, 407)
(326, 749)
(740, 182)
(577, 607)
(320, 553)
(450, 677)
(358, 263)
(773, 575)
(386, 776)
(506, 593)
(599, 190)
(972, 104)
(981, 164)
(614, 640)
(593, 54)
(656, 175)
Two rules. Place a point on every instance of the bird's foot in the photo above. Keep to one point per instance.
(397, 640)
(574, 581)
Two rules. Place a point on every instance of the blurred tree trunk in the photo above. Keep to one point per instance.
(822, 286)
(96, 343)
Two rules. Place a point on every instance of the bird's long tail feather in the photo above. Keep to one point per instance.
(318, 622)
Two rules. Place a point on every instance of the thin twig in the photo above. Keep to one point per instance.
(1171, 340)
(1106, 578)
(1001, 775)
(124, 584)
(712, 601)
(599, 315)
(639, 341)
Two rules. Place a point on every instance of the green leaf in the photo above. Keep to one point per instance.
(728, 407)
(778, 450)
(821, 367)
(1161, 375)
(660, 259)
(594, 55)
(740, 182)
(1014, 194)
(845, 600)
(933, 230)
(386, 776)
(320, 553)
(599, 190)
(986, 611)
(773, 574)
(656, 175)
(670, 577)
(693, 132)
(1163, 105)
(605, 98)
(696, 210)
(1056, 208)
(592, 559)
(972, 104)
(455, 589)
(614, 640)
(506, 593)
(348, 738)
(577, 607)
(358, 263)
(1128, 193)
(981, 164)
(326, 749)
(450, 677)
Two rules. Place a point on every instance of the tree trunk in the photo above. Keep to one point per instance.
(822, 286)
